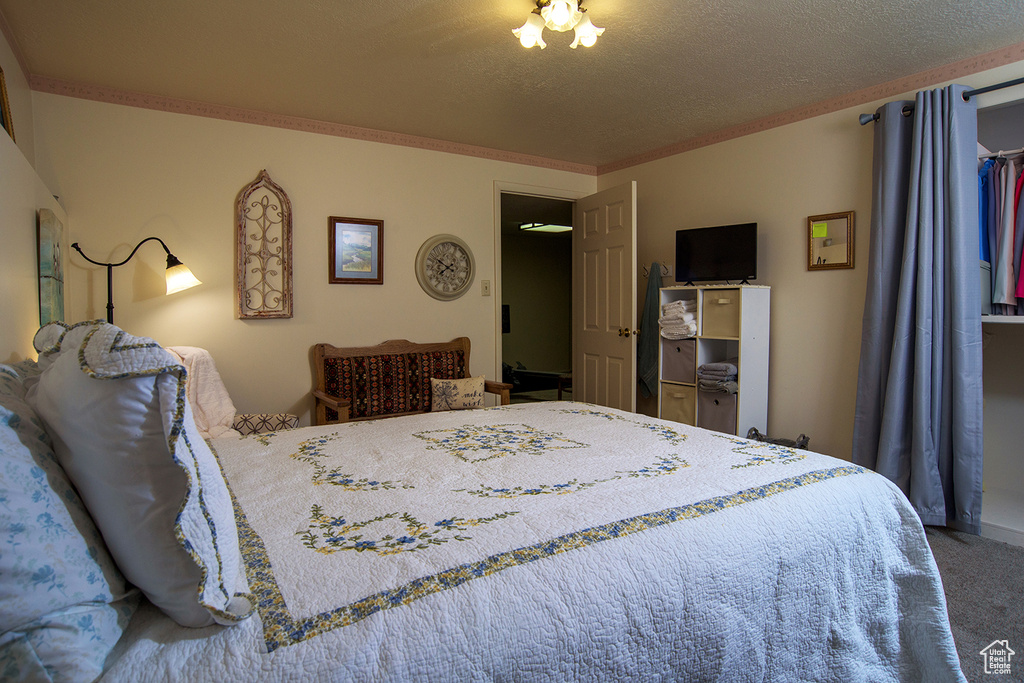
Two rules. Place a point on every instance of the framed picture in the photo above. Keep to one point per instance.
(830, 241)
(5, 107)
(355, 251)
(51, 269)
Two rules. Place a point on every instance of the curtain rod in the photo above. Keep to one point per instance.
(967, 95)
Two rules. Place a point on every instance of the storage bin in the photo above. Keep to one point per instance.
(720, 315)
(679, 403)
(679, 360)
(716, 411)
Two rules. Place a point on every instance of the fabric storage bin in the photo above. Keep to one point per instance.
(679, 360)
(678, 403)
(720, 314)
(716, 411)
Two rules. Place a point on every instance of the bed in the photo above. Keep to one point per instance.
(550, 541)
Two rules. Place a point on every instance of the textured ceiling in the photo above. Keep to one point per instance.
(665, 71)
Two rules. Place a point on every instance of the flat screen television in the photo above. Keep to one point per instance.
(724, 252)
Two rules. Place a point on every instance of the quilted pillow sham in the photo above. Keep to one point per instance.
(115, 407)
(63, 603)
(457, 394)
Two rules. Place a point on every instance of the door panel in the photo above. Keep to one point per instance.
(604, 298)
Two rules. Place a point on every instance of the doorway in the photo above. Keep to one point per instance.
(536, 297)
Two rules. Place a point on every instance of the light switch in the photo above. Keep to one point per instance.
(485, 287)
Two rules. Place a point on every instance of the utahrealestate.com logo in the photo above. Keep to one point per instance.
(997, 657)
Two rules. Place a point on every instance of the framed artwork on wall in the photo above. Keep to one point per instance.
(51, 270)
(263, 250)
(355, 251)
(5, 107)
(830, 241)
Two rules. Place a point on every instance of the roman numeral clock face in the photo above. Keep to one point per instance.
(444, 267)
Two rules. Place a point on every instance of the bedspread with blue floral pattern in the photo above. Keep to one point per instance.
(434, 501)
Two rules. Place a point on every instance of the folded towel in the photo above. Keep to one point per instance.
(686, 305)
(723, 369)
(678, 330)
(718, 386)
(677, 316)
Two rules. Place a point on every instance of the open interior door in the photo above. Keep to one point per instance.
(604, 298)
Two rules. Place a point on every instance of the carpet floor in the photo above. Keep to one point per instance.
(984, 584)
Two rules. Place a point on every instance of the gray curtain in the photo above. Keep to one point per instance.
(919, 398)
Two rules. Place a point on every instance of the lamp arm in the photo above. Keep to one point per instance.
(120, 263)
(110, 270)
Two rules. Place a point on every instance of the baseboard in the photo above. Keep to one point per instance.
(1005, 534)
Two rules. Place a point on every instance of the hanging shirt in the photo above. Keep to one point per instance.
(1018, 240)
(992, 219)
(983, 210)
(1005, 286)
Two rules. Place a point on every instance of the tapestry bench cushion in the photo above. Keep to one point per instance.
(389, 384)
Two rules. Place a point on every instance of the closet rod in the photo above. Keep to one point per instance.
(1002, 153)
(967, 95)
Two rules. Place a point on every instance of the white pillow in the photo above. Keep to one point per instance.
(123, 431)
(63, 602)
(456, 394)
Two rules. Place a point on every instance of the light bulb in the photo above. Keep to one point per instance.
(561, 15)
(531, 33)
(586, 33)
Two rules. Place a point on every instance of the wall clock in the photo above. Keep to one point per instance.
(444, 267)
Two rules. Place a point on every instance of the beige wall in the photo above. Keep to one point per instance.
(22, 193)
(125, 174)
(777, 178)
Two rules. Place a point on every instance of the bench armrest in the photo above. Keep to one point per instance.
(502, 389)
(324, 401)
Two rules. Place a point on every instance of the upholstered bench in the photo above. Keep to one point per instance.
(387, 380)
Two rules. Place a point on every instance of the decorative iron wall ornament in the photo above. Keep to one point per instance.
(263, 216)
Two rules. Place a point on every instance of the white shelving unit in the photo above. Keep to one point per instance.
(732, 323)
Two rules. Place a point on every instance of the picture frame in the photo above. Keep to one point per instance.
(830, 241)
(355, 251)
(5, 107)
(50, 244)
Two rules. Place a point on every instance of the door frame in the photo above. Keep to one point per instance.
(501, 187)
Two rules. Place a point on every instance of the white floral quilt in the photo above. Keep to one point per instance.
(559, 541)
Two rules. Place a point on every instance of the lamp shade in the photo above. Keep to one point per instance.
(561, 15)
(178, 276)
(586, 33)
(530, 33)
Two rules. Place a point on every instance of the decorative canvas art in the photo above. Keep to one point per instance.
(51, 269)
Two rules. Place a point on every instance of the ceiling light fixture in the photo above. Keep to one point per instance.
(561, 16)
(545, 227)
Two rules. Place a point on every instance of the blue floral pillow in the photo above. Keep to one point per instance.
(63, 603)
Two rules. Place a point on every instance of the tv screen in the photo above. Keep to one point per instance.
(725, 252)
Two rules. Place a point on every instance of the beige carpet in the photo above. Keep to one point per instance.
(984, 584)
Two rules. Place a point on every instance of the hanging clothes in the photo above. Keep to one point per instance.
(983, 199)
(991, 220)
(1004, 285)
(1018, 240)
